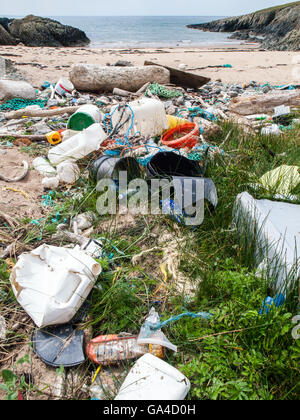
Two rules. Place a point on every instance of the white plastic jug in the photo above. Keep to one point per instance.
(78, 146)
(152, 379)
(149, 117)
(52, 283)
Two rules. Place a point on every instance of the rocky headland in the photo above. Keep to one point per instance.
(34, 31)
(276, 28)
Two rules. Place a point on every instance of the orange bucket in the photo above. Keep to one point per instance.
(182, 136)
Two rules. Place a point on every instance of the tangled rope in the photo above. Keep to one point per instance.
(163, 92)
(15, 104)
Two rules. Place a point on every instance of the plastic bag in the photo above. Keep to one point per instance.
(150, 335)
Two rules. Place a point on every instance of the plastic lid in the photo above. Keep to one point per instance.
(80, 121)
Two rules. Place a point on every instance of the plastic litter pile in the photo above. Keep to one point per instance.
(161, 133)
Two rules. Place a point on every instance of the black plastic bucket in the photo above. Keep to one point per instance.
(169, 164)
(110, 167)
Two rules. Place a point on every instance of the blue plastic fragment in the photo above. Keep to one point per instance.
(269, 303)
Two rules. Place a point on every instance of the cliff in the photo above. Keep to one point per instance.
(278, 27)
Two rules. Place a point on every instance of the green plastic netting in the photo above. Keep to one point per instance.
(163, 92)
(15, 104)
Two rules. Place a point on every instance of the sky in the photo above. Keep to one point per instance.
(133, 7)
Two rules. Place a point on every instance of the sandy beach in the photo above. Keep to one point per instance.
(248, 62)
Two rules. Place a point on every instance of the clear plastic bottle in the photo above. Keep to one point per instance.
(111, 349)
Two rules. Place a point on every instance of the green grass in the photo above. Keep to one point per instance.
(280, 7)
(238, 354)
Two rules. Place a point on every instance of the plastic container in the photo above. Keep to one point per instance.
(271, 130)
(78, 146)
(110, 167)
(145, 116)
(43, 167)
(169, 164)
(84, 117)
(175, 121)
(111, 349)
(64, 87)
(186, 135)
(54, 138)
(152, 379)
(52, 283)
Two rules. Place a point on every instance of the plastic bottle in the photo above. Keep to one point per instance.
(78, 146)
(111, 349)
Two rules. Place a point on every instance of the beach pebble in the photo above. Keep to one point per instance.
(41, 128)
(84, 221)
(52, 102)
(266, 89)
(182, 67)
(123, 63)
(104, 100)
(233, 94)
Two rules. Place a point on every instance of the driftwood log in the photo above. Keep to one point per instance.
(91, 78)
(40, 113)
(32, 137)
(259, 104)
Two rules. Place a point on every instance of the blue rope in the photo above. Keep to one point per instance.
(112, 245)
(160, 325)
(126, 137)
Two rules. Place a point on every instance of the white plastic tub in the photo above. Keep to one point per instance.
(275, 227)
(152, 379)
(64, 87)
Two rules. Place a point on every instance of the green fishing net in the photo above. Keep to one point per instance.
(163, 92)
(15, 104)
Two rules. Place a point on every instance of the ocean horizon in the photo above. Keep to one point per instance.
(144, 31)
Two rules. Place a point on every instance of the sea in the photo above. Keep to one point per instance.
(145, 31)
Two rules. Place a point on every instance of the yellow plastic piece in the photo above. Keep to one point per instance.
(175, 121)
(54, 137)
